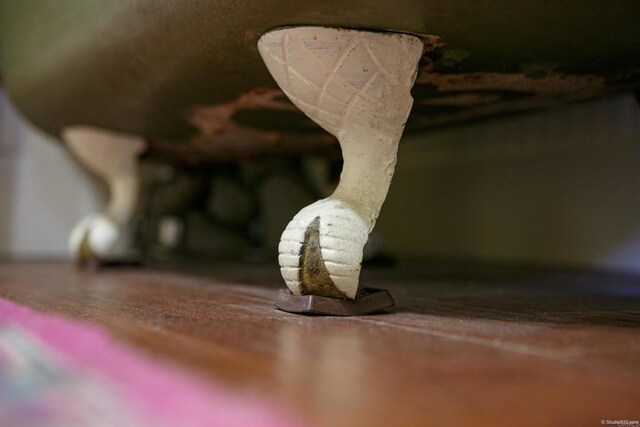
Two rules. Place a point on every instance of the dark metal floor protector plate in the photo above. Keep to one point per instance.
(120, 263)
(369, 300)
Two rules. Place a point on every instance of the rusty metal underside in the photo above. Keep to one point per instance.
(188, 77)
(263, 121)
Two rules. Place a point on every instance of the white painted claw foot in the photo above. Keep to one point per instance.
(356, 85)
(113, 157)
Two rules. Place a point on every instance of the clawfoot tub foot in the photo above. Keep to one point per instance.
(356, 85)
(113, 157)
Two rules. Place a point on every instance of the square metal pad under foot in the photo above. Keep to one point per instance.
(369, 300)
(115, 264)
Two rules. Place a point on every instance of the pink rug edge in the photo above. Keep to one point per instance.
(163, 390)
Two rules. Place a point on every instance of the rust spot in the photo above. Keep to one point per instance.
(85, 255)
(212, 119)
(221, 139)
(462, 99)
(483, 94)
(431, 44)
(555, 84)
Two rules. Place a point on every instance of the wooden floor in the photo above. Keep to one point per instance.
(467, 346)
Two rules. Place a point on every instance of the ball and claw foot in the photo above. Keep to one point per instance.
(356, 85)
(101, 239)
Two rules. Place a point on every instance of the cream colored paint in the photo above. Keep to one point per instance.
(113, 157)
(356, 85)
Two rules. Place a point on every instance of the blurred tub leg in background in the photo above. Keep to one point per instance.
(112, 157)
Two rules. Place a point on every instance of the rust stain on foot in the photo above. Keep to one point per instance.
(313, 274)
(85, 255)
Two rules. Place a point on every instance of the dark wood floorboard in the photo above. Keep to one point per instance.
(476, 346)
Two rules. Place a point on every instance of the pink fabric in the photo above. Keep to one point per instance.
(156, 389)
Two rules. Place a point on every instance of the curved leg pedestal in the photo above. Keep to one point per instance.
(113, 157)
(356, 85)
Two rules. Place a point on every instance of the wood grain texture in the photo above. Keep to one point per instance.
(478, 346)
